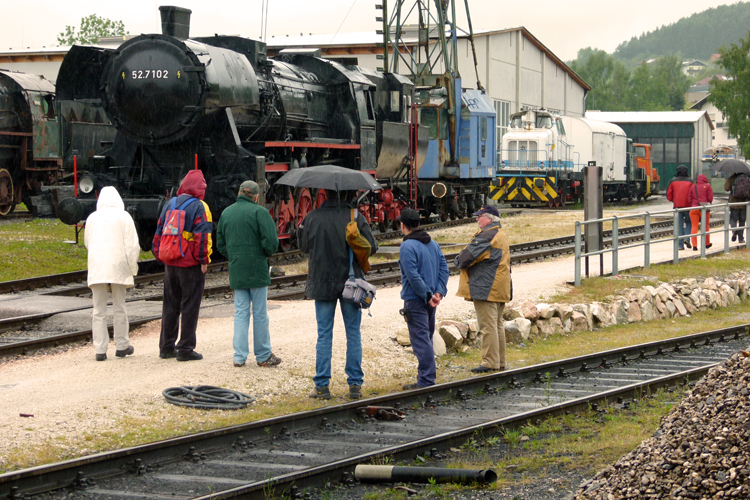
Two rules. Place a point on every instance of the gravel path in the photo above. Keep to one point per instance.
(71, 395)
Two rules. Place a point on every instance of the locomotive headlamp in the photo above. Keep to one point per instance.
(86, 185)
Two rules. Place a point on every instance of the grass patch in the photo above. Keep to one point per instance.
(37, 248)
(595, 289)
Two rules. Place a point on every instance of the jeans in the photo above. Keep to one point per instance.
(243, 299)
(324, 313)
(683, 227)
(421, 329)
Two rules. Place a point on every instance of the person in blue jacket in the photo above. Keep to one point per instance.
(424, 283)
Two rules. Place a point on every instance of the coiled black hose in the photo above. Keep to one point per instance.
(207, 397)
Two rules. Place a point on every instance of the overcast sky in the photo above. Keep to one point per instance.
(564, 26)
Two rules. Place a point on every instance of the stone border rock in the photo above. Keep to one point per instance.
(526, 320)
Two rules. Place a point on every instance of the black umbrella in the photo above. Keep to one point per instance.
(330, 177)
(731, 166)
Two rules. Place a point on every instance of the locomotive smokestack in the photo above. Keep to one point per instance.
(175, 21)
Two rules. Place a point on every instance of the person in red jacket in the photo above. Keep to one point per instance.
(677, 193)
(184, 276)
(700, 194)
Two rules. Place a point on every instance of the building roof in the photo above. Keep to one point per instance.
(369, 38)
(649, 116)
(699, 104)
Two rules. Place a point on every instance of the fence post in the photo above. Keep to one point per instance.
(577, 273)
(676, 240)
(702, 238)
(614, 246)
(726, 228)
(747, 219)
(647, 240)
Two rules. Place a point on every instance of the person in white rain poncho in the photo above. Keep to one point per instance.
(112, 242)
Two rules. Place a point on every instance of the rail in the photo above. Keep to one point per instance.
(647, 242)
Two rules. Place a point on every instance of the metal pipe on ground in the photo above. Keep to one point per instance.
(392, 474)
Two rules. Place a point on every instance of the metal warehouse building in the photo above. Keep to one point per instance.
(678, 137)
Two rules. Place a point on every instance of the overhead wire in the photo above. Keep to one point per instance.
(343, 21)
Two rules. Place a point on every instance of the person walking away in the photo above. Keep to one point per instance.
(183, 243)
(322, 235)
(246, 235)
(485, 280)
(738, 187)
(113, 250)
(700, 194)
(677, 193)
(424, 283)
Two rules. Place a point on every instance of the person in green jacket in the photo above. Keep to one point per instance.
(247, 237)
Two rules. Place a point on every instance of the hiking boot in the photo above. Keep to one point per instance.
(101, 357)
(272, 360)
(321, 393)
(410, 387)
(484, 369)
(239, 365)
(189, 356)
(709, 245)
(168, 354)
(355, 391)
(687, 244)
(125, 352)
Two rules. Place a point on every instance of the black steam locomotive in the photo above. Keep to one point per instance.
(221, 105)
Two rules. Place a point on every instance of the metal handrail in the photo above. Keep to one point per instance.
(646, 243)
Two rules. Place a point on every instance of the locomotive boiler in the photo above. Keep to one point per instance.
(221, 105)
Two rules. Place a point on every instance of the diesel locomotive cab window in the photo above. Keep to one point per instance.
(443, 124)
(483, 128)
(543, 122)
(516, 122)
(560, 127)
(428, 118)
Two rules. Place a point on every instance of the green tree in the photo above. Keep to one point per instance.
(596, 67)
(92, 29)
(732, 96)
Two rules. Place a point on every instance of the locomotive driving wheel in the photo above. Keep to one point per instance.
(303, 206)
(283, 215)
(7, 198)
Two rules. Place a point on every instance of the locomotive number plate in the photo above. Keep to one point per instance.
(142, 74)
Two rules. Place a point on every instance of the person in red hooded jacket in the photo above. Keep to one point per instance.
(677, 193)
(700, 194)
(184, 276)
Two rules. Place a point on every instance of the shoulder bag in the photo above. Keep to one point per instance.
(356, 290)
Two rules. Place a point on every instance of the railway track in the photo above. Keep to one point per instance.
(151, 269)
(149, 288)
(285, 456)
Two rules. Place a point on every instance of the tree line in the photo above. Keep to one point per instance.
(695, 37)
(659, 86)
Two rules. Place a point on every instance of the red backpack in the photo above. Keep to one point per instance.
(172, 245)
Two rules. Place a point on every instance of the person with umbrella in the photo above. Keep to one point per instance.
(322, 235)
(738, 187)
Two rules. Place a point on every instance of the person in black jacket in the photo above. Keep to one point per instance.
(323, 235)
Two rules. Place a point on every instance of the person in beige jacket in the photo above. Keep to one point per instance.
(112, 242)
(485, 280)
